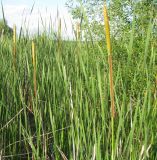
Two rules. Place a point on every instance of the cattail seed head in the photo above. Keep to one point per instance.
(78, 31)
(107, 30)
(33, 53)
(14, 34)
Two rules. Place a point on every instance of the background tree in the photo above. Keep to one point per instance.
(121, 13)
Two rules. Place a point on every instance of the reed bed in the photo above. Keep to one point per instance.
(71, 116)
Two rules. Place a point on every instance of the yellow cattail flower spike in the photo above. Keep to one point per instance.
(108, 42)
(107, 29)
(78, 30)
(33, 53)
(14, 34)
(34, 66)
(60, 28)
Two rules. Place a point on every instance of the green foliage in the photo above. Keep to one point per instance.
(71, 112)
(5, 29)
(121, 13)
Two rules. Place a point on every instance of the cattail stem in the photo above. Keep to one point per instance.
(14, 46)
(108, 41)
(111, 86)
(34, 68)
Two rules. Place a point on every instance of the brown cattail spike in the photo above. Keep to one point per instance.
(34, 68)
(59, 28)
(78, 31)
(108, 41)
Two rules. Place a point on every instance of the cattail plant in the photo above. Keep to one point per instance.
(78, 31)
(59, 29)
(14, 46)
(108, 41)
(59, 35)
(34, 68)
(59, 32)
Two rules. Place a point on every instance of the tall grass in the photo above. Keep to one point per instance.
(71, 114)
(108, 41)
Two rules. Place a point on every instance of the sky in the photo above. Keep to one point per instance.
(44, 13)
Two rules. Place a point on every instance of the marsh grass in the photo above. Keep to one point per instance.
(71, 114)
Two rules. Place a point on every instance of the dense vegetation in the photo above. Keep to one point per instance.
(70, 117)
(5, 29)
